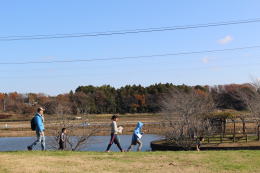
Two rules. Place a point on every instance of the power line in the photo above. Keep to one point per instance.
(213, 67)
(123, 32)
(46, 69)
(131, 57)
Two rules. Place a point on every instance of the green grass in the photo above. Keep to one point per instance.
(181, 161)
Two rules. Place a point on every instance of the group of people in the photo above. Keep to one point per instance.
(37, 124)
(136, 137)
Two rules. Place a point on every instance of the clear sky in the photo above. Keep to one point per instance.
(32, 17)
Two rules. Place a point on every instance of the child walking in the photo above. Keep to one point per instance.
(136, 138)
(114, 134)
(198, 143)
(62, 139)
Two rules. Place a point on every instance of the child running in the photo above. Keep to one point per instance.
(136, 138)
(114, 134)
(62, 139)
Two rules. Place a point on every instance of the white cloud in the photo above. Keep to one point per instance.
(248, 54)
(216, 68)
(205, 60)
(51, 70)
(225, 40)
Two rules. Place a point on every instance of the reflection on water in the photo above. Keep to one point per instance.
(96, 143)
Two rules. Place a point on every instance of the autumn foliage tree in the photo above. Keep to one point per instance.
(107, 99)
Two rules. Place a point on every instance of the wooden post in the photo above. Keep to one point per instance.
(225, 122)
(221, 134)
(244, 129)
(234, 130)
(258, 135)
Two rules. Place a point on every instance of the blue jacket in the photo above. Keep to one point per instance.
(39, 123)
(137, 130)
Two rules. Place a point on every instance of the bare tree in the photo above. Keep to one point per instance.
(251, 97)
(185, 116)
(78, 131)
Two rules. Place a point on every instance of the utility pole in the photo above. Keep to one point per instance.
(4, 103)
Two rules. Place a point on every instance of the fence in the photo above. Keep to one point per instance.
(235, 131)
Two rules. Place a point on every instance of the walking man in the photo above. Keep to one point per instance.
(38, 120)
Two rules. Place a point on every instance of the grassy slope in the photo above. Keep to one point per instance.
(192, 161)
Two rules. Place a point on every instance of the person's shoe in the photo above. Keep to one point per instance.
(107, 151)
(29, 148)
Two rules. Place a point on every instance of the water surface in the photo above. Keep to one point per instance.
(96, 143)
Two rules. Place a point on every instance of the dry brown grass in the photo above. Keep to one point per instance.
(163, 162)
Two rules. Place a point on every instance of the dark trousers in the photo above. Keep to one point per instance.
(61, 145)
(114, 139)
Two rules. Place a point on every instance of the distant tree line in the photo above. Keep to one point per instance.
(107, 99)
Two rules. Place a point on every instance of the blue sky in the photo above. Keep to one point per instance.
(32, 17)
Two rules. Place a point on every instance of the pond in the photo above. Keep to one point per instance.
(97, 143)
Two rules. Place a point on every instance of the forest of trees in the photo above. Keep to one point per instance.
(107, 99)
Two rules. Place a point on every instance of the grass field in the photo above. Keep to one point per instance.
(189, 161)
